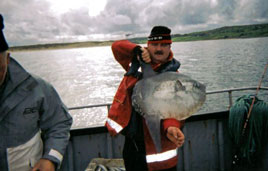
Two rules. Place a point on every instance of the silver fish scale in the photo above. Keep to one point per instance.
(167, 95)
(138, 108)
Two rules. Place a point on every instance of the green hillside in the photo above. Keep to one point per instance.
(228, 32)
(60, 45)
(248, 31)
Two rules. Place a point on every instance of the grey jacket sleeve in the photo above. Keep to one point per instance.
(55, 124)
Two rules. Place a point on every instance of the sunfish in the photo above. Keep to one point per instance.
(166, 95)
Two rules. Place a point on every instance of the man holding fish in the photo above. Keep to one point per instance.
(140, 152)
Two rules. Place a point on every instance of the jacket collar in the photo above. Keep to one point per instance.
(19, 82)
(171, 65)
(155, 66)
(17, 74)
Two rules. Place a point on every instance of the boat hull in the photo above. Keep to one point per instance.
(207, 145)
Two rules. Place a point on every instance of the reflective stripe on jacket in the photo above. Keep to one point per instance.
(120, 113)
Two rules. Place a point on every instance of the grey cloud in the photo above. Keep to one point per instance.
(252, 11)
(28, 21)
(227, 8)
(32, 22)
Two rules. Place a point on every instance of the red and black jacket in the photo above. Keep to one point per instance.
(120, 112)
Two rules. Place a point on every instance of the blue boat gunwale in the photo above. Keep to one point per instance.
(199, 117)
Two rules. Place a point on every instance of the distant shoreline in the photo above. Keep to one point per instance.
(89, 44)
(59, 46)
(230, 32)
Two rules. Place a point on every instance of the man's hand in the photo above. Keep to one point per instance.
(145, 55)
(44, 165)
(175, 135)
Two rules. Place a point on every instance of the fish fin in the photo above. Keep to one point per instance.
(153, 124)
(133, 70)
(179, 86)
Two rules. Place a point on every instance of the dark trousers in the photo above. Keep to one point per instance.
(134, 153)
(134, 156)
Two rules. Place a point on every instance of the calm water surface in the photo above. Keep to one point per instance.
(88, 76)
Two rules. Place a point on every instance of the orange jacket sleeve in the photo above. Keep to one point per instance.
(123, 52)
(171, 122)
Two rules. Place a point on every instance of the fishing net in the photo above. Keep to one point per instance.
(248, 147)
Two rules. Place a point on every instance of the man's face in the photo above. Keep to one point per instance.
(159, 52)
(4, 60)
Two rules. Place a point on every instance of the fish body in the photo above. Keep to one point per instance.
(166, 95)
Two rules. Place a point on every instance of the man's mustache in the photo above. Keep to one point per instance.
(159, 53)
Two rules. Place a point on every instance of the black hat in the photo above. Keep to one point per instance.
(3, 43)
(160, 34)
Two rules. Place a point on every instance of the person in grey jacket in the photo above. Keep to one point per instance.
(34, 123)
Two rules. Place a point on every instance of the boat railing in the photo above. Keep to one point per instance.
(229, 91)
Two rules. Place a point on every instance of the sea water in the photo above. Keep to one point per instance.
(90, 76)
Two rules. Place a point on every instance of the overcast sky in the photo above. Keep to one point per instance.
(49, 21)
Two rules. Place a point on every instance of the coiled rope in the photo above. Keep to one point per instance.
(248, 126)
